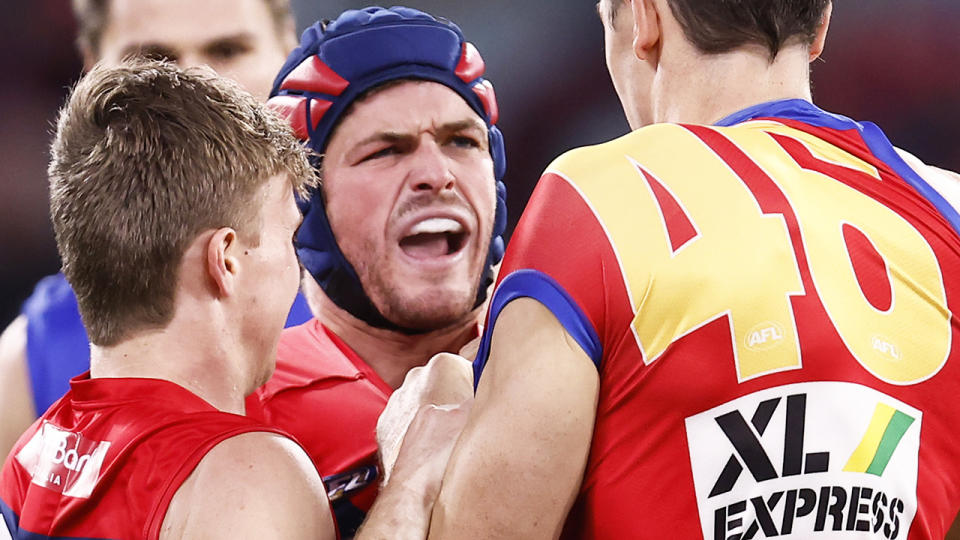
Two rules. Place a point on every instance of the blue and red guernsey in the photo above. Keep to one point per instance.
(770, 306)
(105, 460)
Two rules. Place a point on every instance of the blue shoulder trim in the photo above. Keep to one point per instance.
(808, 113)
(544, 289)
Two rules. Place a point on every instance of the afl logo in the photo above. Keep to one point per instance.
(764, 336)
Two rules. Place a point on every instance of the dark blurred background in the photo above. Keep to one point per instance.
(893, 62)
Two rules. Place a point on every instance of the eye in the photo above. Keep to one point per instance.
(464, 141)
(227, 50)
(383, 152)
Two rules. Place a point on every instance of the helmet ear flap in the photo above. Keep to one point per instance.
(498, 152)
(499, 224)
(497, 244)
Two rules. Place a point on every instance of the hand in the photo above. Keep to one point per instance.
(405, 504)
(427, 445)
(445, 382)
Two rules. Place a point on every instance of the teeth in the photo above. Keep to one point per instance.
(436, 225)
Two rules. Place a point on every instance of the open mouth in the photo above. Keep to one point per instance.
(433, 238)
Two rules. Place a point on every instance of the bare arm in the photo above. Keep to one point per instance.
(403, 508)
(530, 429)
(255, 485)
(16, 400)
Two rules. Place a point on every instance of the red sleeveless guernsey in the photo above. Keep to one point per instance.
(105, 460)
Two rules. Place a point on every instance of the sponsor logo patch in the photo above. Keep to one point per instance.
(347, 483)
(806, 461)
(63, 461)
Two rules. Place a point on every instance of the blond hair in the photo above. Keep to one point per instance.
(146, 157)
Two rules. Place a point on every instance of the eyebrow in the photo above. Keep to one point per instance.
(160, 49)
(444, 129)
(462, 125)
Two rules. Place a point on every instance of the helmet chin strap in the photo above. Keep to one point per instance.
(339, 61)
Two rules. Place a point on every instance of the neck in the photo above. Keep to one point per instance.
(391, 354)
(189, 353)
(696, 88)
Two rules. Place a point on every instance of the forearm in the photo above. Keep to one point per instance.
(405, 503)
(400, 512)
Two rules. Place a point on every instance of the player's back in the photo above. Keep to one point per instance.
(778, 349)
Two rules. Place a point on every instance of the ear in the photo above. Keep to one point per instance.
(646, 28)
(816, 48)
(222, 264)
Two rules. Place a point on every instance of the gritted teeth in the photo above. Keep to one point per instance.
(436, 225)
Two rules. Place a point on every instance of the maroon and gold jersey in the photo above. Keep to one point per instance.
(770, 306)
(105, 460)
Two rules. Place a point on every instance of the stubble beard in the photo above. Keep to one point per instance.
(435, 309)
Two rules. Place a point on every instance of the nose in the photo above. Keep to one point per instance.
(430, 169)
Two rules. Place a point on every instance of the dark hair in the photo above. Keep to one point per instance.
(146, 157)
(718, 26)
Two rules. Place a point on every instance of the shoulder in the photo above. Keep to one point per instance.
(947, 183)
(254, 485)
(16, 403)
(51, 293)
(13, 343)
(588, 161)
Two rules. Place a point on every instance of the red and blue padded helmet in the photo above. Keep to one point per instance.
(335, 63)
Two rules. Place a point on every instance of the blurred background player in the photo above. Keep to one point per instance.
(400, 240)
(245, 40)
(730, 327)
(179, 249)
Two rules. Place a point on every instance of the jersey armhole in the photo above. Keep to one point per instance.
(534, 284)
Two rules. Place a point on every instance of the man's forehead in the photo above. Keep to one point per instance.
(413, 104)
(183, 23)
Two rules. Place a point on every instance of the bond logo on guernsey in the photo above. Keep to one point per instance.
(810, 460)
(63, 461)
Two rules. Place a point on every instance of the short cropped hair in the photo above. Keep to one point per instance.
(146, 157)
(92, 16)
(718, 27)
